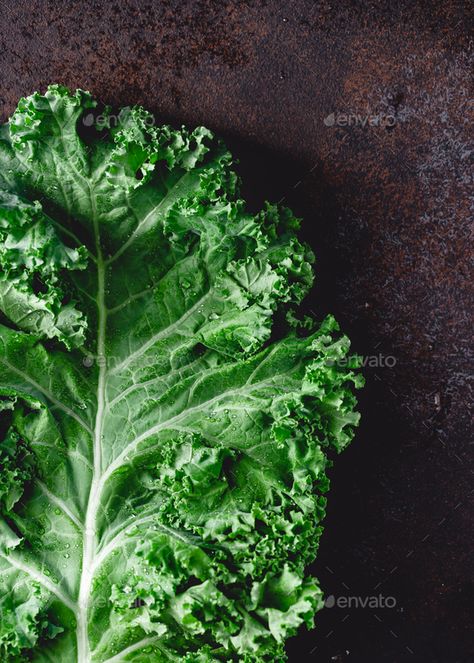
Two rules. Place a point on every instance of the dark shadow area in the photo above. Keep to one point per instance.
(382, 516)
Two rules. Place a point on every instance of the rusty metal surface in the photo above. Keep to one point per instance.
(357, 115)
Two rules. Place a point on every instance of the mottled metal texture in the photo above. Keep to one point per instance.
(357, 115)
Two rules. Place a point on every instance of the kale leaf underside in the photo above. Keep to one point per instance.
(162, 449)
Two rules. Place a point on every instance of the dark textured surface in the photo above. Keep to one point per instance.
(386, 209)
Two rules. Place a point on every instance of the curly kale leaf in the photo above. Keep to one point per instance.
(164, 445)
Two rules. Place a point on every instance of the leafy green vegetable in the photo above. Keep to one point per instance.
(163, 445)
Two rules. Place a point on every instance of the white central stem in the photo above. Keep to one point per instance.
(90, 533)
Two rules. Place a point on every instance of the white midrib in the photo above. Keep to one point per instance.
(90, 538)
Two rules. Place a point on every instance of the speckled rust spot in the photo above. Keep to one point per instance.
(386, 209)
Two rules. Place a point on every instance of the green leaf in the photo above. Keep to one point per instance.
(163, 443)
(33, 264)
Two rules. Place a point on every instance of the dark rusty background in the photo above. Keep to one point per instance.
(386, 209)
